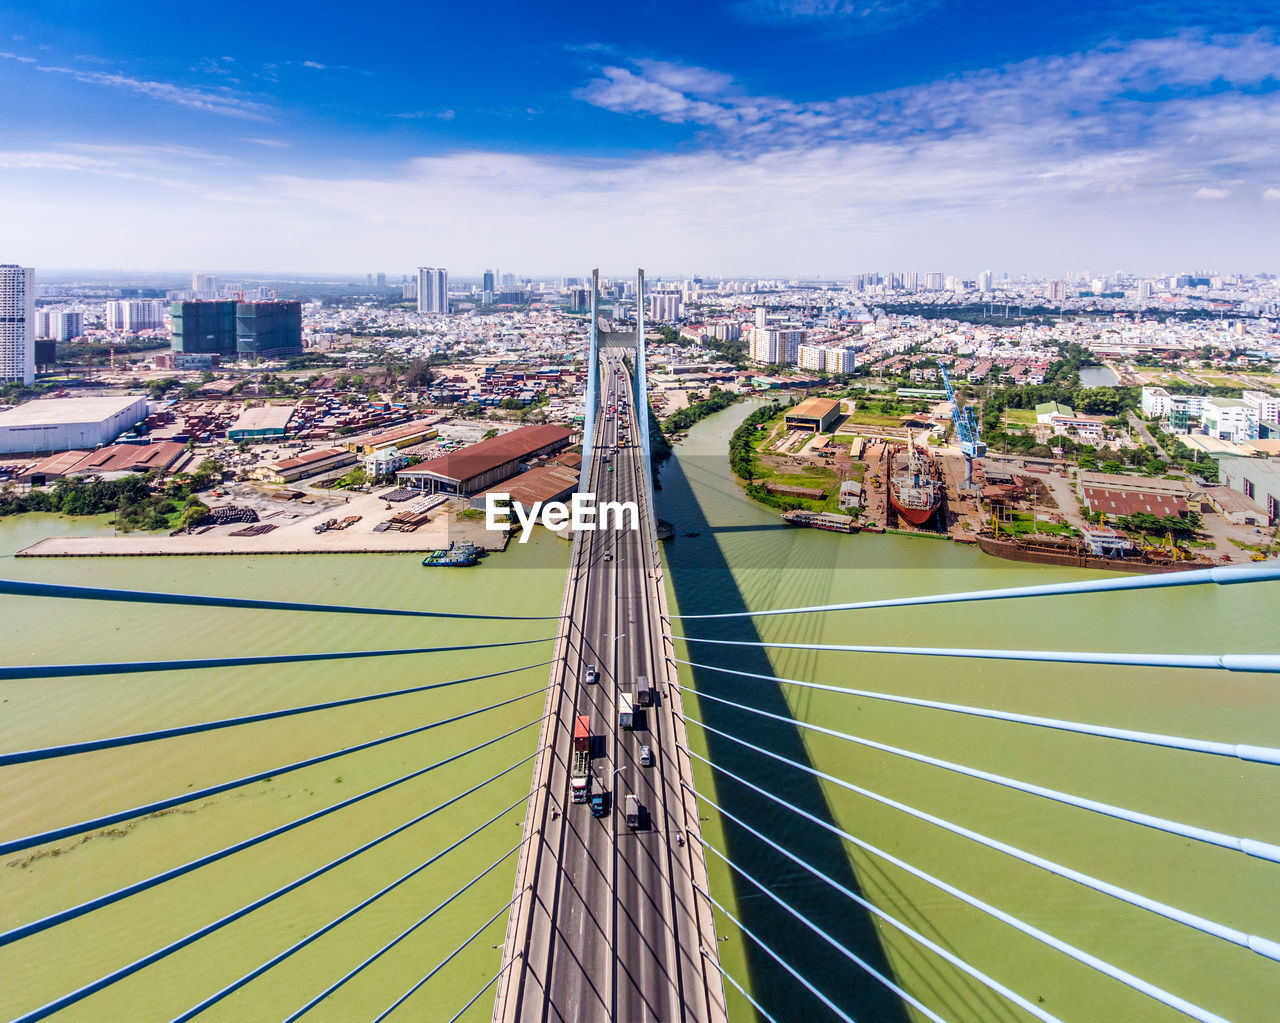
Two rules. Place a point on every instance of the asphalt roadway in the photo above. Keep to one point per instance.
(610, 927)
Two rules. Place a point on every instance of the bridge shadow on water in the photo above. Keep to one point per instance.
(703, 583)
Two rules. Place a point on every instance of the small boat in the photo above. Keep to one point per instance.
(458, 555)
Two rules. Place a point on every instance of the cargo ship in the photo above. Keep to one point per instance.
(1096, 548)
(821, 520)
(915, 489)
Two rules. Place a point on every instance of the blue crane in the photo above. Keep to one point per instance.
(966, 423)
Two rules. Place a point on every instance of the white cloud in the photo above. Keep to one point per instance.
(271, 143)
(222, 101)
(1271, 193)
(313, 64)
(1212, 193)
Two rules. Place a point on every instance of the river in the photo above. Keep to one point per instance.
(772, 566)
(529, 579)
(778, 566)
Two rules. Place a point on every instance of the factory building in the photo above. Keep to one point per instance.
(58, 424)
(818, 415)
(267, 422)
(481, 466)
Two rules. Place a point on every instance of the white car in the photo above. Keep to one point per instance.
(646, 757)
(592, 675)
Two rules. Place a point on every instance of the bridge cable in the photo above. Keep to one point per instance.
(299, 1013)
(1101, 965)
(25, 671)
(1254, 754)
(870, 907)
(476, 997)
(1223, 575)
(174, 946)
(450, 957)
(1250, 846)
(774, 956)
(847, 953)
(84, 908)
(1263, 946)
(40, 838)
(315, 935)
(1229, 662)
(741, 990)
(21, 588)
(92, 745)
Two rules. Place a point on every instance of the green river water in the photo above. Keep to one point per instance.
(772, 566)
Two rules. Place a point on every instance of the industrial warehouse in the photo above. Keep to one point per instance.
(61, 424)
(480, 466)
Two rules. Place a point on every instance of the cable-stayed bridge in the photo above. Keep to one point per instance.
(610, 922)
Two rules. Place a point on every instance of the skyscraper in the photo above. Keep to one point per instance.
(985, 280)
(433, 289)
(17, 324)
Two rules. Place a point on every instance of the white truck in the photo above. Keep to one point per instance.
(626, 711)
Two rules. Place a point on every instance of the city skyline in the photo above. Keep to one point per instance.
(764, 138)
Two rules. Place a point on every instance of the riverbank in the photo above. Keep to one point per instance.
(294, 532)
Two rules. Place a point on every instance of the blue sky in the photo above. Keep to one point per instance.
(770, 137)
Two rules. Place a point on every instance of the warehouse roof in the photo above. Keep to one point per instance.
(264, 417)
(544, 483)
(815, 408)
(477, 459)
(68, 410)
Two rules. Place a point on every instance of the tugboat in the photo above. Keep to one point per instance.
(458, 555)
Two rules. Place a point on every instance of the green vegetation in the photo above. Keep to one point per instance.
(138, 501)
(471, 513)
(716, 401)
(745, 461)
(1021, 524)
(1158, 525)
(357, 477)
(490, 434)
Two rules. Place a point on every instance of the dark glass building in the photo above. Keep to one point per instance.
(204, 327)
(269, 329)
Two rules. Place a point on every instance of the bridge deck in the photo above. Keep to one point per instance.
(610, 926)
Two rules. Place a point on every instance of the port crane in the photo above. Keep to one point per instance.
(966, 423)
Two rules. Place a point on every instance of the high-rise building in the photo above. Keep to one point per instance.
(433, 289)
(1144, 289)
(17, 324)
(772, 346)
(132, 315)
(204, 286)
(44, 324)
(490, 281)
(409, 289)
(66, 326)
(382, 280)
(911, 281)
(204, 327)
(985, 280)
(271, 329)
(762, 317)
(664, 306)
(933, 282)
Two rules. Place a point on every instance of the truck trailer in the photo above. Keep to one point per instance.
(580, 765)
(633, 812)
(644, 693)
(626, 711)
